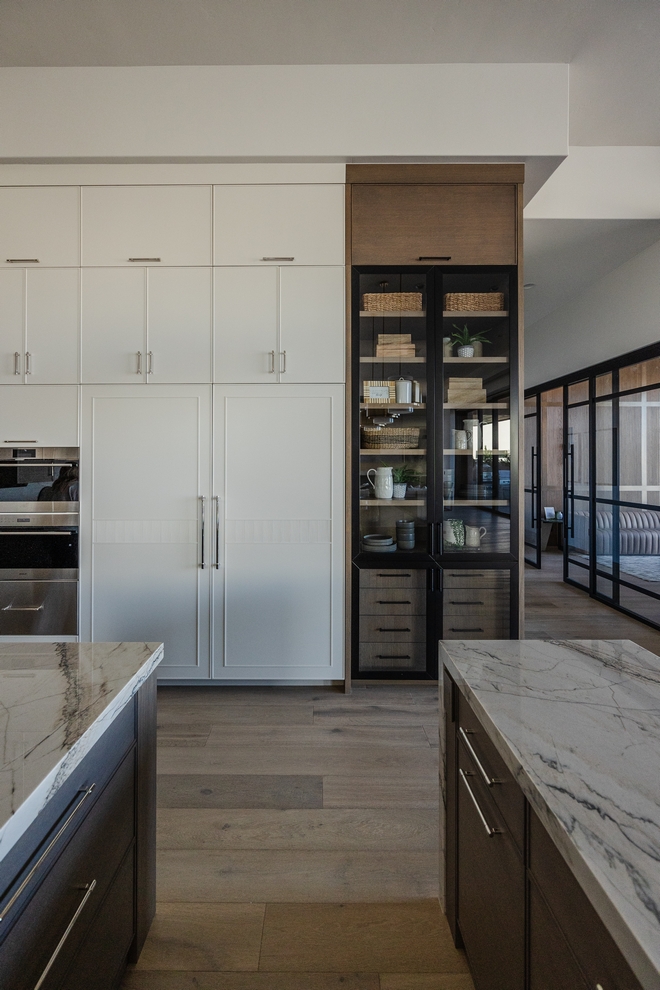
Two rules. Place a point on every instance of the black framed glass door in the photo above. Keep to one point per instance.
(532, 480)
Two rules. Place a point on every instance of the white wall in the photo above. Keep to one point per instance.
(617, 314)
(283, 111)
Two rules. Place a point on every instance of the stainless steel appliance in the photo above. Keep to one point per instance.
(39, 520)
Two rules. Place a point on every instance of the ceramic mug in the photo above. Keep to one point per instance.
(453, 532)
(383, 486)
(473, 535)
(459, 439)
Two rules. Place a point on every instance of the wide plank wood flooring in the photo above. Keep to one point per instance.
(298, 843)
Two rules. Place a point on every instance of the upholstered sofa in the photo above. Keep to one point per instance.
(639, 531)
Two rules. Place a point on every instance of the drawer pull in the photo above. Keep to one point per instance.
(467, 603)
(88, 888)
(393, 656)
(46, 851)
(144, 259)
(393, 575)
(278, 259)
(474, 629)
(434, 257)
(488, 780)
(491, 831)
(382, 629)
(394, 603)
(22, 608)
(22, 261)
(469, 575)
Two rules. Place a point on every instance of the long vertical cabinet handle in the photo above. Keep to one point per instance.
(216, 499)
(271, 355)
(202, 504)
(138, 370)
(17, 363)
(282, 362)
(150, 362)
(28, 363)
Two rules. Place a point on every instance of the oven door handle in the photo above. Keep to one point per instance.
(22, 608)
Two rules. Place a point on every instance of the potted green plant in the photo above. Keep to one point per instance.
(402, 477)
(466, 340)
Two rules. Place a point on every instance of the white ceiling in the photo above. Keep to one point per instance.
(563, 257)
(612, 46)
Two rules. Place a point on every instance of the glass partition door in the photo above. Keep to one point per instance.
(531, 468)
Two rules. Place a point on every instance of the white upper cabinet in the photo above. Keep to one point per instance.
(39, 415)
(12, 326)
(246, 325)
(52, 326)
(279, 224)
(145, 225)
(312, 341)
(40, 225)
(113, 325)
(179, 321)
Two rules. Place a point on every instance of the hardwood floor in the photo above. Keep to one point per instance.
(298, 843)
(298, 828)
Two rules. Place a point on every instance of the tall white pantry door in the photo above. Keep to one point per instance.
(277, 595)
(145, 465)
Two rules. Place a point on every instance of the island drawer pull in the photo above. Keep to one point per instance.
(56, 838)
(488, 780)
(22, 608)
(88, 888)
(491, 831)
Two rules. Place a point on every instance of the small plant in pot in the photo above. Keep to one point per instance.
(468, 342)
(402, 477)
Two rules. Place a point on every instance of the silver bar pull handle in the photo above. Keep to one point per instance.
(491, 831)
(88, 888)
(281, 258)
(488, 780)
(144, 259)
(139, 363)
(28, 363)
(271, 355)
(17, 363)
(19, 443)
(22, 261)
(282, 362)
(150, 362)
(23, 608)
(202, 501)
(53, 842)
(216, 499)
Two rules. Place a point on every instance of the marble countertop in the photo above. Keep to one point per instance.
(56, 700)
(578, 724)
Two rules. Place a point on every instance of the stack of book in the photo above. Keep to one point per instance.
(465, 391)
(395, 345)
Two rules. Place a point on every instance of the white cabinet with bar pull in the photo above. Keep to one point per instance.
(298, 224)
(146, 225)
(39, 416)
(275, 324)
(39, 326)
(146, 325)
(40, 225)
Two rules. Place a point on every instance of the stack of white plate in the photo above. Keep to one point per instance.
(378, 543)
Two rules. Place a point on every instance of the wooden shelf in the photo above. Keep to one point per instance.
(476, 405)
(393, 405)
(476, 360)
(480, 453)
(394, 451)
(390, 360)
(394, 313)
(468, 314)
(458, 502)
(394, 501)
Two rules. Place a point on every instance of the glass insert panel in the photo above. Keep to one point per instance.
(552, 449)
(639, 447)
(641, 604)
(578, 392)
(604, 384)
(639, 375)
(639, 540)
(605, 477)
(477, 427)
(607, 539)
(393, 434)
(578, 574)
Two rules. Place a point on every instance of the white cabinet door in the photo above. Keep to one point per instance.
(278, 592)
(39, 415)
(40, 223)
(52, 323)
(113, 325)
(179, 325)
(168, 225)
(246, 342)
(268, 224)
(12, 326)
(312, 338)
(147, 456)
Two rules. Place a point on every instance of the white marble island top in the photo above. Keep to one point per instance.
(56, 700)
(578, 724)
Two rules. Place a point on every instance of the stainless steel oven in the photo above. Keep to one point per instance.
(39, 525)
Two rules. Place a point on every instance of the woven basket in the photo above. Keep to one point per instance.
(385, 302)
(377, 438)
(474, 302)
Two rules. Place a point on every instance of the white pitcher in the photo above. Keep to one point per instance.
(473, 535)
(383, 486)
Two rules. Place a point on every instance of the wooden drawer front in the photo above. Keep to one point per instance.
(395, 601)
(395, 656)
(551, 962)
(475, 579)
(392, 579)
(397, 224)
(93, 853)
(378, 629)
(591, 943)
(481, 625)
(483, 755)
(475, 601)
